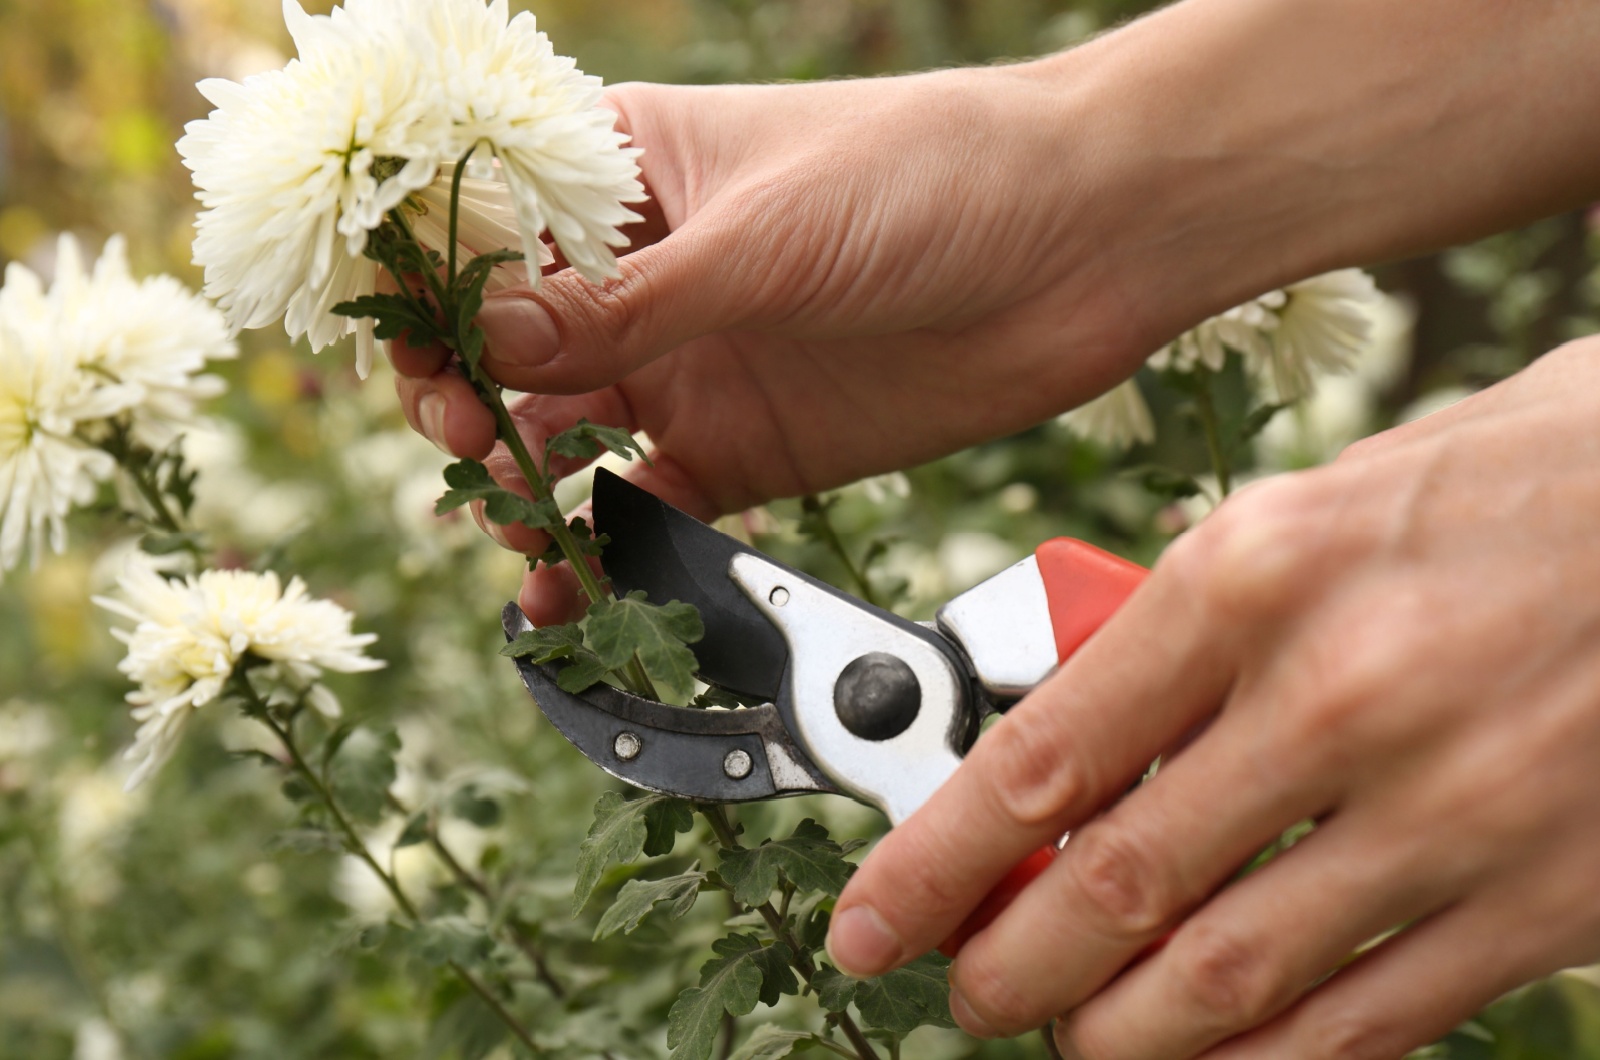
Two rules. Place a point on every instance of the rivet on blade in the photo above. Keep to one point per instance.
(737, 764)
(627, 746)
(778, 596)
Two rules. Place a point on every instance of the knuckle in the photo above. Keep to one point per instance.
(1032, 778)
(1118, 882)
(1259, 549)
(1350, 1035)
(1228, 979)
(990, 989)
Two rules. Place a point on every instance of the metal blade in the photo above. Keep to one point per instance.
(709, 755)
(674, 556)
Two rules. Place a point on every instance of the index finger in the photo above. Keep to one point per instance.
(1058, 758)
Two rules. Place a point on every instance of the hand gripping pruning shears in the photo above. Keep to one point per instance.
(853, 700)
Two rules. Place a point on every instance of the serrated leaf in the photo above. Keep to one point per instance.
(658, 634)
(305, 841)
(1165, 482)
(639, 897)
(582, 536)
(908, 997)
(361, 772)
(771, 1042)
(416, 831)
(730, 983)
(1257, 419)
(617, 835)
(449, 938)
(663, 821)
(392, 315)
(472, 805)
(546, 644)
(585, 441)
(581, 673)
(470, 481)
(808, 859)
(835, 990)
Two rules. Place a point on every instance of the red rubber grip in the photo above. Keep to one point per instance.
(1084, 586)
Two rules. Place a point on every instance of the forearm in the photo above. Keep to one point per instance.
(1244, 144)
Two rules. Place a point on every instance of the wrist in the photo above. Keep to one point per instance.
(1239, 145)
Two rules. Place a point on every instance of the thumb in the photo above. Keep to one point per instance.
(573, 336)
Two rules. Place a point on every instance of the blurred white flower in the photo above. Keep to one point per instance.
(1325, 324)
(879, 488)
(152, 338)
(46, 466)
(296, 167)
(96, 345)
(96, 1040)
(1119, 418)
(190, 635)
(1288, 338)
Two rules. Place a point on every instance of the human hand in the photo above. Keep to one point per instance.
(1403, 646)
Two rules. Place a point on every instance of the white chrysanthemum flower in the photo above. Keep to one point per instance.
(296, 167)
(509, 93)
(189, 636)
(1119, 418)
(153, 338)
(46, 467)
(1288, 337)
(1324, 325)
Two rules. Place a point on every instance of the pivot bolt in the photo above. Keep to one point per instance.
(877, 696)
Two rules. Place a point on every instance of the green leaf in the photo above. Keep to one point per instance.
(361, 772)
(659, 635)
(771, 1042)
(305, 840)
(908, 997)
(618, 835)
(1256, 421)
(470, 481)
(808, 859)
(1165, 482)
(726, 700)
(164, 544)
(664, 819)
(730, 983)
(835, 990)
(582, 536)
(450, 938)
(586, 440)
(546, 644)
(416, 831)
(469, 803)
(638, 897)
(392, 315)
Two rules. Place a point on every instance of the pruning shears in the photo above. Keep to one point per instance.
(852, 699)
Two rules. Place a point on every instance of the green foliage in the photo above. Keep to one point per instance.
(771, 1042)
(585, 441)
(907, 998)
(808, 859)
(658, 635)
(470, 481)
(620, 832)
(638, 898)
(361, 771)
(744, 971)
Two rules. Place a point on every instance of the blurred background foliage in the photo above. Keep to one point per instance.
(168, 923)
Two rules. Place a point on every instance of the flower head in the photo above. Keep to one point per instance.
(96, 346)
(1119, 418)
(190, 637)
(295, 168)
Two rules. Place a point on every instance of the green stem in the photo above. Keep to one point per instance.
(1211, 427)
(722, 828)
(356, 846)
(825, 532)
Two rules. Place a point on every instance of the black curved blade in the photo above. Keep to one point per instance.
(674, 750)
(674, 556)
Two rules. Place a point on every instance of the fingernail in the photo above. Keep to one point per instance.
(861, 943)
(969, 1020)
(431, 410)
(519, 331)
